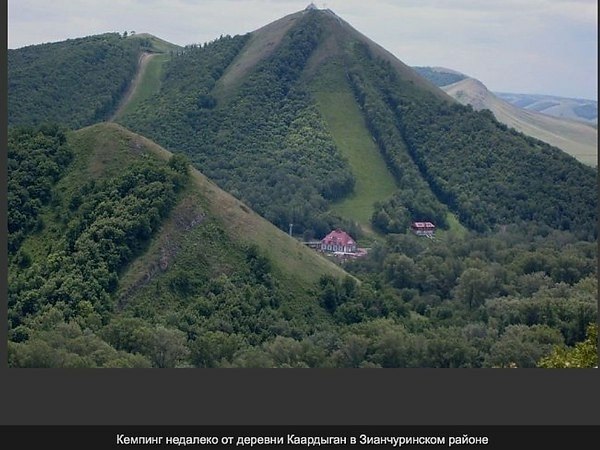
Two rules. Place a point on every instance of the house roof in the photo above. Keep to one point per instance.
(338, 237)
(423, 225)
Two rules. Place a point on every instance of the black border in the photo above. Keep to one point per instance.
(282, 396)
(3, 190)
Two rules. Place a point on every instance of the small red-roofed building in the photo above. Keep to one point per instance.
(338, 241)
(423, 228)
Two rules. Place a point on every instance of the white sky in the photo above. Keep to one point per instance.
(520, 46)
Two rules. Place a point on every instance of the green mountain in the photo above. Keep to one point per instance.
(115, 222)
(265, 116)
(123, 255)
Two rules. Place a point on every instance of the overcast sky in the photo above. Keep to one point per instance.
(520, 46)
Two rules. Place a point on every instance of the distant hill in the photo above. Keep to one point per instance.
(574, 137)
(439, 75)
(566, 108)
(155, 43)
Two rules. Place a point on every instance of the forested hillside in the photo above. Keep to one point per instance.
(75, 82)
(266, 144)
(123, 253)
(487, 174)
(122, 256)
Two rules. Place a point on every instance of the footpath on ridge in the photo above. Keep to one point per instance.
(142, 64)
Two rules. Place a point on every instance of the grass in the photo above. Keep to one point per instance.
(263, 42)
(374, 182)
(158, 44)
(148, 84)
(454, 226)
(293, 261)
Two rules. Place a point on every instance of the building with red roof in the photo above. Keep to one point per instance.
(423, 228)
(338, 241)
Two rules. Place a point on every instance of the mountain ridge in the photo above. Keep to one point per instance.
(573, 137)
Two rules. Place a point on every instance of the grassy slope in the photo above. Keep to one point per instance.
(262, 43)
(147, 80)
(295, 262)
(158, 45)
(337, 104)
(228, 225)
(454, 227)
(345, 122)
(147, 84)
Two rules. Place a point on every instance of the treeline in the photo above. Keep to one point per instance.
(37, 158)
(76, 82)
(414, 200)
(489, 175)
(93, 231)
(263, 141)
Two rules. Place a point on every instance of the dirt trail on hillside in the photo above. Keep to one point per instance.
(142, 63)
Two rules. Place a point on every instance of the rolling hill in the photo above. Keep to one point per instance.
(583, 110)
(573, 137)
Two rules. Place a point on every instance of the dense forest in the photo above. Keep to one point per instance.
(122, 254)
(75, 82)
(486, 173)
(265, 143)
